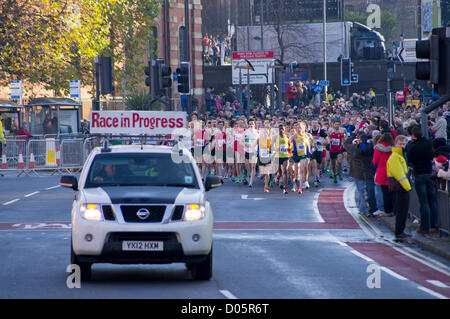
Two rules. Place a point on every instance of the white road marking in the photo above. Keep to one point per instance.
(228, 294)
(316, 207)
(341, 243)
(437, 283)
(11, 201)
(357, 253)
(31, 194)
(244, 196)
(431, 292)
(53, 187)
(349, 203)
(393, 274)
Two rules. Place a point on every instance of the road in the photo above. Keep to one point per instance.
(266, 246)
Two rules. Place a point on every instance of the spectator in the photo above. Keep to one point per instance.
(420, 156)
(383, 151)
(397, 172)
(440, 127)
(24, 131)
(292, 93)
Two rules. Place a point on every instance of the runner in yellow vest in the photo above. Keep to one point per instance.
(282, 147)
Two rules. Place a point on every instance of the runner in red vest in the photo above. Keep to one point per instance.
(336, 149)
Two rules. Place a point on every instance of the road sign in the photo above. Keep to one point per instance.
(324, 83)
(16, 90)
(400, 55)
(75, 89)
(260, 60)
(355, 78)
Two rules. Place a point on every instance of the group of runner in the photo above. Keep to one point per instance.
(281, 150)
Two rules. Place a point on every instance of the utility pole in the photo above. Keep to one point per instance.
(187, 40)
(262, 24)
(419, 20)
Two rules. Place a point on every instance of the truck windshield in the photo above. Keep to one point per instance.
(139, 169)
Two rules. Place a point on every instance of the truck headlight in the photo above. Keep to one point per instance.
(91, 212)
(194, 212)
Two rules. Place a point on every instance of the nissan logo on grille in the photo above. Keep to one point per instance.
(143, 213)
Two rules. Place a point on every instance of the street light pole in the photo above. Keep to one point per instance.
(262, 23)
(325, 46)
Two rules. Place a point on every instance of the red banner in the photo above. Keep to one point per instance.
(253, 55)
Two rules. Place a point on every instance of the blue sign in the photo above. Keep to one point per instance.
(324, 83)
(293, 77)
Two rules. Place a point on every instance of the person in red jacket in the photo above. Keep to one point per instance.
(382, 152)
(24, 132)
(292, 93)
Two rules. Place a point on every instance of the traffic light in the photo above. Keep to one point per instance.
(437, 69)
(428, 49)
(164, 76)
(106, 82)
(346, 72)
(184, 73)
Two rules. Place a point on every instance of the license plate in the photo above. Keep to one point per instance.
(142, 245)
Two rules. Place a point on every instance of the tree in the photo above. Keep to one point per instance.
(50, 42)
(294, 41)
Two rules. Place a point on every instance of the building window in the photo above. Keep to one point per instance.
(182, 43)
(153, 44)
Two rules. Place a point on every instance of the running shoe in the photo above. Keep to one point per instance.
(233, 179)
(331, 175)
(294, 189)
(316, 184)
(285, 191)
(300, 191)
(306, 185)
(266, 189)
(244, 181)
(250, 185)
(238, 180)
(340, 177)
(335, 180)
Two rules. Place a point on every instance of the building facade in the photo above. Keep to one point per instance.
(171, 34)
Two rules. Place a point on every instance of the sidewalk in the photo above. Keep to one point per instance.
(439, 246)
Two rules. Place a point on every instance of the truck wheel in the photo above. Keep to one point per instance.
(85, 268)
(202, 270)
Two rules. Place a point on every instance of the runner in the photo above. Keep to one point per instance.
(220, 149)
(250, 149)
(336, 147)
(300, 143)
(282, 147)
(264, 154)
(199, 141)
(320, 139)
(239, 151)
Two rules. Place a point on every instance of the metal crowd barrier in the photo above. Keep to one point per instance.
(72, 156)
(62, 153)
(443, 201)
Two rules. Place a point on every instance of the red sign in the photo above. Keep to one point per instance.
(400, 96)
(253, 55)
(136, 122)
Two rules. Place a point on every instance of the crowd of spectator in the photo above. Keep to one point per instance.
(379, 151)
(212, 49)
